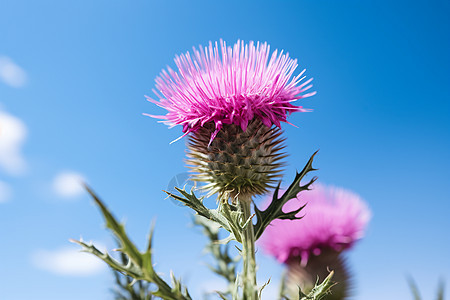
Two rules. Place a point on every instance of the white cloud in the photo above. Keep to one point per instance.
(5, 192)
(68, 261)
(11, 73)
(68, 184)
(12, 135)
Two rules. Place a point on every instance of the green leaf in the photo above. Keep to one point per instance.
(319, 291)
(118, 230)
(414, 288)
(226, 215)
(139, 265)
(274, 210)
(190, 200)
(127, 288)
(129, 269)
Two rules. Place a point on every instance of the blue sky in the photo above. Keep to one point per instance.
(73, 75)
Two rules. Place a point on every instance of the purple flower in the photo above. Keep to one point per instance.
(230, 85)
(333, 220)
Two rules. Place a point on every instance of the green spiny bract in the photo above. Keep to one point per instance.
(236, 161)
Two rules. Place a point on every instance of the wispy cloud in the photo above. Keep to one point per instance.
(5, 192)
(67, 261)
(68, 184)
(12, 136)
(12, 74)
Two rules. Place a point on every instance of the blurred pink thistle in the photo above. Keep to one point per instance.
(334, 219)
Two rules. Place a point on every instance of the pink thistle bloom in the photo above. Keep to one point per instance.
(334, 219)
(230, 85)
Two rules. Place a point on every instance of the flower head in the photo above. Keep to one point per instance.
(333, 220)
(230, 85)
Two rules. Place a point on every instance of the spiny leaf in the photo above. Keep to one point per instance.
(225, 216)
(139, 265)
(319, 291)
(233, 218)
(196, 204)
(128, 288)
(274, 210)
(118, 230)
(129, 269)
(191, 201)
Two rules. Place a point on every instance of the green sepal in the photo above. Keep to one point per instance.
(139, 265)
(274, 210)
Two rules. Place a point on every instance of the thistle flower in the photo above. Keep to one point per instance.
(230, 86)
(334, 219)
(232, 100)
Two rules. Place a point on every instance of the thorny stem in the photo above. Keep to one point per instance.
(248, 251)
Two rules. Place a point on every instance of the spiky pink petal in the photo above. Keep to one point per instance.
(230, 85)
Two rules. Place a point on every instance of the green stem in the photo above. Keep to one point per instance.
(248, 251)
